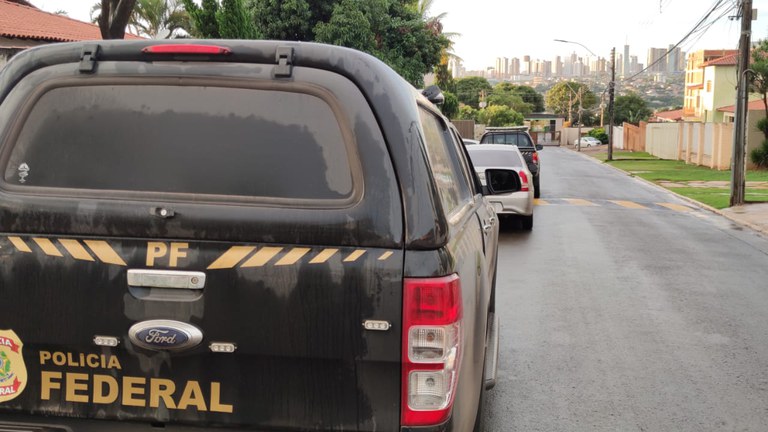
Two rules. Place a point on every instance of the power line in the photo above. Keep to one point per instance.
(698, 27)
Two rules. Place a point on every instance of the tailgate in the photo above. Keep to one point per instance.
(197, 244)
(293, 315)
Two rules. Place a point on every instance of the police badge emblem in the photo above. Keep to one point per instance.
(13, 372)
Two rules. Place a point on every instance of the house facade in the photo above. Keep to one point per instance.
(696, 84)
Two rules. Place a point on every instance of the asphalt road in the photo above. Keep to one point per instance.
(628, 318)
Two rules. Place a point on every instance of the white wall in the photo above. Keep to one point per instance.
(661, 140)
(618, 137)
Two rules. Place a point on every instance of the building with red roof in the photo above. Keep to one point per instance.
(707, 75)
(23, 26)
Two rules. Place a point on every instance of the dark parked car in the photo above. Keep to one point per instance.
(519, 136)
(250, 235)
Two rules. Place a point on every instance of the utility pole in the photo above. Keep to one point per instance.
(578, 143)
(611, 87)
(738, 166)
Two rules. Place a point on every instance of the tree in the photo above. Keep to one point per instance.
(468, 90)
(499, 115)
(563, 98)
(203, 17)
(600, 134)
(444, 79)
(759, 84)
(285, 19)
(159, 18)
(236, 20)
(466, 112)
(630, 108)
(229, 19)
(508, 95)
(113, 17)
(450, 106)
(388, 29)
(529, 95)
(759, 78)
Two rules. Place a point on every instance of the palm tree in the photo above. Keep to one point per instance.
(156, 19)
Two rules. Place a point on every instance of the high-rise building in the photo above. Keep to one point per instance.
(456, 67)
(633, 69)
(502, 68)
(657, 60)
(526, 66)
(625, 69)
(546, 68)
(514, 66)
(557, 67)
(673, 59)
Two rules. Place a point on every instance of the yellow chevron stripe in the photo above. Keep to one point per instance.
(19, 244)
(104, 252)
(537, 201)
(385, 255)
(292, 257)
(323, 256)
(262, 257)
(76, 249)
(47, 246)
(580, 202)
(231, 257)
(629, 204)
(354, 255)
(675, 207)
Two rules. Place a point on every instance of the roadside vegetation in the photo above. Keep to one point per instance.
(708, 186)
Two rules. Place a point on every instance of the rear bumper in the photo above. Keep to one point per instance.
(520, 203)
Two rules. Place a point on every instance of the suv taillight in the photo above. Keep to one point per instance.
(523, 181)
(432, 310)
(535, 158)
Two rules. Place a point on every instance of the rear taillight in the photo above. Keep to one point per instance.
(186, 49)
(535, 158)
(523, 181)
(432, 310)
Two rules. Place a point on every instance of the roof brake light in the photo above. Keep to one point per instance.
(187, 49)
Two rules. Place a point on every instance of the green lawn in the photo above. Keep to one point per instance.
(657, 170)
(624, 155)
(719, 198)
(649, 167)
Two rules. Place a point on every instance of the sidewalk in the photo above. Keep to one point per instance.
(752, 215)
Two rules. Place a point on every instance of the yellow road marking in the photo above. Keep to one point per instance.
(629, 204)
(323, 256)
(675, 207)
(104, 252)
(292, 257)
(537, 201)
(47, 246)
(262, 256)
(76, 249)
(580, 202)
(231, 257)
(385, 255)
(354, 255)
(19, 244)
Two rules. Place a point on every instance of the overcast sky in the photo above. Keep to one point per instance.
(513, 28)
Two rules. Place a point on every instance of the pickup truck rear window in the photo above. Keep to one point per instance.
(183, 139)
(518, 139)
(489, 158)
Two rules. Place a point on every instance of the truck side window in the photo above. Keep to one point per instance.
(451, 181)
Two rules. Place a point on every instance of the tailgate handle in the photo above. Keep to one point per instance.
(176, 279)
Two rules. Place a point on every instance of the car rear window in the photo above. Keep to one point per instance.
(487, 158)
(518, 139)
(183, 139)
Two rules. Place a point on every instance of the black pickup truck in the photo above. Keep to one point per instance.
(518, 136)
(246, 235)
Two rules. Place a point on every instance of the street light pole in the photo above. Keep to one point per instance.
(611, 88)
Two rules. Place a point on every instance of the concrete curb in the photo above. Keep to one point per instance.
(756, 228)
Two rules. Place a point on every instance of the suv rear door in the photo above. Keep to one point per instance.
(198, 243)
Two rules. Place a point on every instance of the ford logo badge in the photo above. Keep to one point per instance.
(161, 335)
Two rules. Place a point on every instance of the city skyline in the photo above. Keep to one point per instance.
(628, 63)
